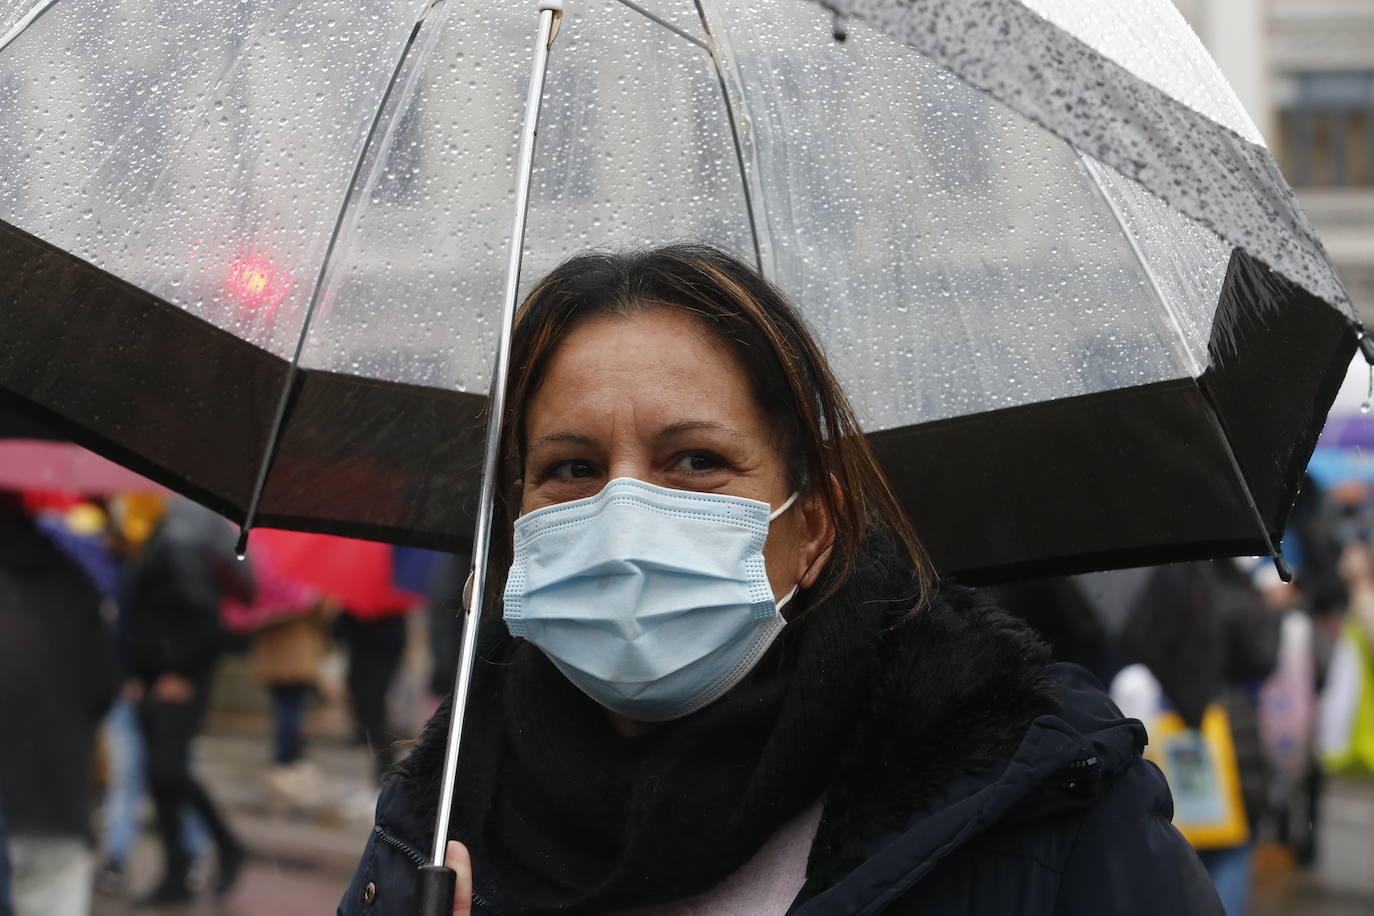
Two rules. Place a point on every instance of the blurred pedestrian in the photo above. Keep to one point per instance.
(1313, 544)
(376, 642)
(443, 616)
(1357, 569)
(286, 658)
(1325, 524)
(287, 628)
(1346, 730)
(1206, 633)
(723, 678)
(58, 680)
(359, 577)
(132, 518)
(173, 589)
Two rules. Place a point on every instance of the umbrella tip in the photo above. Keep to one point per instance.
(1366, 345)
(1285, 573)
(241, 546)
(840, 27)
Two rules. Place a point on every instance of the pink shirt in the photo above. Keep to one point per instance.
(766, 885)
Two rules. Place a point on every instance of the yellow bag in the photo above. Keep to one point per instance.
(1345, 725)
(1204, 778)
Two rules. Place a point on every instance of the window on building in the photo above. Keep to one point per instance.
(1326, 128)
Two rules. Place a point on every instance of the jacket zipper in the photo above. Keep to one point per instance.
(420, 861)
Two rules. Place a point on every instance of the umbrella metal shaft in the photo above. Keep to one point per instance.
(549, 13)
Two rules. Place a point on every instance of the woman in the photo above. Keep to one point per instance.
(287, 626)
(725, 681)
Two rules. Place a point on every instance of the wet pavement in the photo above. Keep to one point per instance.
(302, 859)
(1342, 881)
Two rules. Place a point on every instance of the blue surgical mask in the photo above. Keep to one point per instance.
(654, 602)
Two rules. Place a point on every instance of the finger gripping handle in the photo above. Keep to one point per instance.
(435, 893)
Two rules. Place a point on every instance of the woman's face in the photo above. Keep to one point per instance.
(655, 397)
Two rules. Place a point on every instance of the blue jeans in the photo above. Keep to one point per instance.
(125, 792)
(1231, 871)
(288, 711)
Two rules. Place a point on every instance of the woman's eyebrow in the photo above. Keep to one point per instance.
(693, 426)
(566, 438)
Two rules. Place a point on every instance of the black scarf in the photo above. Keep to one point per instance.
(563, 815)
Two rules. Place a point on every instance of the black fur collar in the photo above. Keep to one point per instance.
(955, 688)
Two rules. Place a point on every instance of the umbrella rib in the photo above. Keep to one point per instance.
(293, 368)
(749, 207)
(28, 19)
(665, 23)
(1275, 551)
(1099, 187)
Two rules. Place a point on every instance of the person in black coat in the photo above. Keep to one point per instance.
(684, 475)
(58, 681)
(171, 594)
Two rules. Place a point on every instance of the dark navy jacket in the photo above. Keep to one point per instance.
(1076, 823)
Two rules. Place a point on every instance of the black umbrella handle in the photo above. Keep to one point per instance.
(435, 892)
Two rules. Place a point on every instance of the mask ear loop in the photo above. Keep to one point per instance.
(787, 504)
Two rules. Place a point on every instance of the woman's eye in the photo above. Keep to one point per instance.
(697, 463)
(571, 470)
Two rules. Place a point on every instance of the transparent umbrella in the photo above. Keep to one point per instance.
(261, 252)
(256, 250)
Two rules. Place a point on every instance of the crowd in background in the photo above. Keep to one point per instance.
(1231, 669)
(114, 614)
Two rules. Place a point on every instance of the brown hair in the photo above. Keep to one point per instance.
(788, 375)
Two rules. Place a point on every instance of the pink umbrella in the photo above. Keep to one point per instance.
(44, 464)
(276, 597)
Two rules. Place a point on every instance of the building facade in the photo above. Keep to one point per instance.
(1304, 69)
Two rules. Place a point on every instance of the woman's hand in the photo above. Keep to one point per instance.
(456, 857)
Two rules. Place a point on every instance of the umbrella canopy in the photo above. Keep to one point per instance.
(32, 459)
(276, 597)
(27, 464)
(1064, 284)
(357, 575)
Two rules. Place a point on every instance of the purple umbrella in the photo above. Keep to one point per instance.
(1350, 423)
